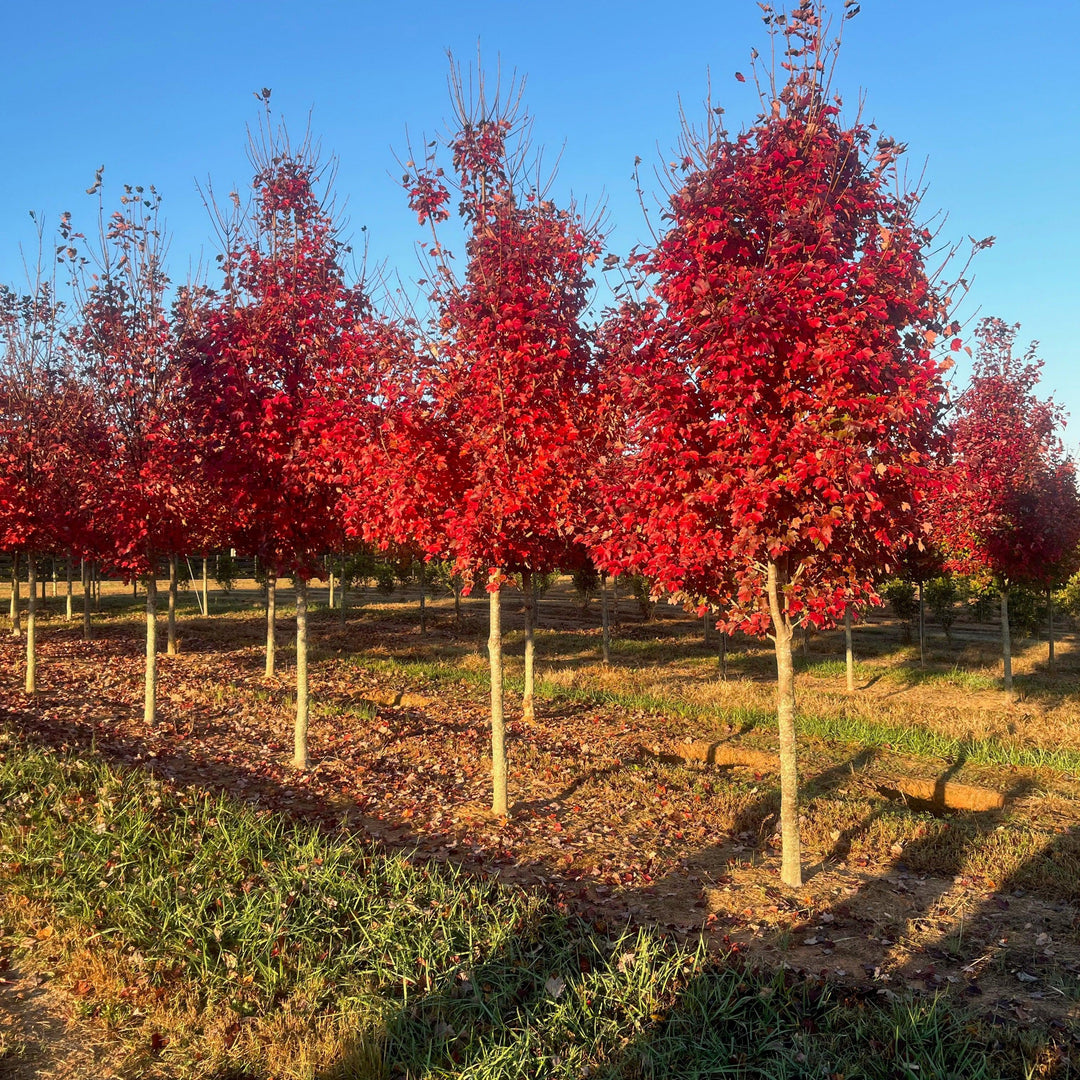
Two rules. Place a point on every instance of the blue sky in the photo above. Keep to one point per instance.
(983, 94)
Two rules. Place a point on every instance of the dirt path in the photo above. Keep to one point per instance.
(36, 1040)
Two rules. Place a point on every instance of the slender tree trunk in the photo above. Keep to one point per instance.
(457, 607)
(150, 703)
(205, 585)
(343, 599)
(791, 857)
(16, 617)
(528, 708)
(300, 754)
(498, 728)
(1050, 616)
(332, 598)
(31, 623)
(55, 577)
(605, 621)
(723, 656)
(271, 623)
(423, 598)
(849, 652)
(922, 628)
(1006, 644)
(69, 613)
(173, 583)
(87, 599)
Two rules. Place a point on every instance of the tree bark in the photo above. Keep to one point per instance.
(332, 598)
(300, 730)
(791, 857)
(528, 708)
(87, 600)
(922, 628)
(849, 653)
(69, 613)
(31, 623)
(171, 648)
(1006, 644)
(271, 623)
(498, 727)
(16, 617)
(205, 585)
(723, 656)
(1050, 616)
(423, 598)
(150, 701)
(605, 621)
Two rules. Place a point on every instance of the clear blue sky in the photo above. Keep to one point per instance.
(983, 93)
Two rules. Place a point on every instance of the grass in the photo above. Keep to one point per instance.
(219, 940)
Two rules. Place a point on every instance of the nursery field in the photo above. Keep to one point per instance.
(177, 901)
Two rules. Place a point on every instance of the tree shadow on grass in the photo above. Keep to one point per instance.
(563, 994)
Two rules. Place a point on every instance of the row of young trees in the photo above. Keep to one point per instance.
(756, 425)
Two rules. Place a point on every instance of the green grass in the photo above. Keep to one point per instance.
(237, 934)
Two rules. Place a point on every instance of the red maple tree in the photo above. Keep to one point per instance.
(506, 391)
(125, 339)
(1008, 505)
(267, 346)
(49, 442)
(780, 393)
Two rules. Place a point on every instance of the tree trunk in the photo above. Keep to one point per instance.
(498, 728)
(69, 613)
(150, 702)
(271, 623)
(31, 623)
(849, 653)
(922, 628)
(171, 648)
(55, 578)
(423, 599)
(330, 601)
(528, 708)
(16, 623)
(300, 755)
(457, 606)
(87, 599)
(205, 585)
(343, 600)
(1050, 616)
(1006, 644)
(723, 656)
(791, 858)
(605, 621)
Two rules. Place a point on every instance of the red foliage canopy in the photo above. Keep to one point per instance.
(779, 386)
(268, 347)
(150, 499)
(1009, 505)
(507, 393)
(49, 442)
